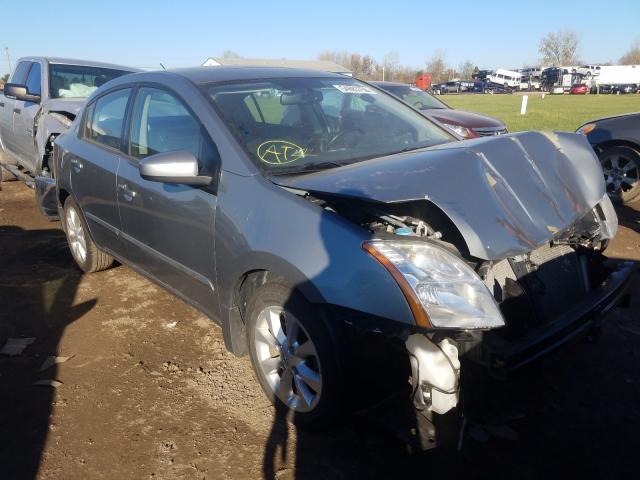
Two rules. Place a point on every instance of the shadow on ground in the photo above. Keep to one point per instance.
(38, 283)
(574, 413)
(629, 217)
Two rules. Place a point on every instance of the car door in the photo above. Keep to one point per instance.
(7, 106)
(94, 163)
(24, 117)
(169, 228)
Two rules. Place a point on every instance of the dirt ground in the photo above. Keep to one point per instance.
(150, 391)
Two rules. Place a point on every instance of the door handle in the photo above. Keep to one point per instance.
(127, 193)
(2, 104)
(76, 164)
(17, 110)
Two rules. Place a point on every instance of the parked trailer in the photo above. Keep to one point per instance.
(560, 79)
(617, 75)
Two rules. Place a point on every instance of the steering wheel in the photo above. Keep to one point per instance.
(342, 134)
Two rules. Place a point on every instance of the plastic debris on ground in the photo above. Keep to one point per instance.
(47, 383)
(15, 346)
(52, 360)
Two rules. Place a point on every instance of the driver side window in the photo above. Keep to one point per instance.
(162, 123)
(20, 73)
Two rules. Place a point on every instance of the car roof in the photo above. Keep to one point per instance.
(87, 63)
(234, 73)
(389, 84)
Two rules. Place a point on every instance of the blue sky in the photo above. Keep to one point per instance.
(143, 33)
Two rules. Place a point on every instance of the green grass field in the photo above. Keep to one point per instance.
(554, 112)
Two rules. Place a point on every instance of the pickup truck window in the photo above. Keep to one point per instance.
(33, 80)
(78, 81)
(108, 117)
(20, 73)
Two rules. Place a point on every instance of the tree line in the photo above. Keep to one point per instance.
(561, 48)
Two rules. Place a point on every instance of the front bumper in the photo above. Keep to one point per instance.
(503, 356)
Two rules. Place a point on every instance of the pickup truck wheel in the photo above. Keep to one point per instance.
(84, 251)
(293, 355)
(621, 167)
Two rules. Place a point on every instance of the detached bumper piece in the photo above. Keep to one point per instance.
(505, 350)
(46, 197)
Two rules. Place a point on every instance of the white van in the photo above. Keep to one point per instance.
(506, 77)
(589, 70)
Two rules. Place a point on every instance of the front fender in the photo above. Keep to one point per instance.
(262, 227)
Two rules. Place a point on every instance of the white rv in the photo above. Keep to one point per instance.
(509, 78)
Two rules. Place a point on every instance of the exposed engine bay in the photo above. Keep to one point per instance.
(533, 289)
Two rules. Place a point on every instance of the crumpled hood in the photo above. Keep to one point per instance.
(507, 195)
(71, 105)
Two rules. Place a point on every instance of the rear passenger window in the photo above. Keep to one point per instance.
(33, 80)
(161, 123)
(105, 125)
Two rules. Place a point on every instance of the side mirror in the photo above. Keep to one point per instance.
(20, 92)
(180, 166)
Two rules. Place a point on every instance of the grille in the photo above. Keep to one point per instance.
(552, 279)
(488, 132)
(565, 260)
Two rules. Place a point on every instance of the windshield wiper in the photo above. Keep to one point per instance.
(411, 149)
(310, 167)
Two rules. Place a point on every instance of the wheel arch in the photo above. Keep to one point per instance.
(616, 143)
(271, 269)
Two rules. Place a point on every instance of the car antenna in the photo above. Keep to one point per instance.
(163, 67)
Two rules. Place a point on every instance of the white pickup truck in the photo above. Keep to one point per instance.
(39, 102)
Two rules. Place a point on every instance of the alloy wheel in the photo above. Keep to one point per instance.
(288, 359)
(76, 235)
(621, 174)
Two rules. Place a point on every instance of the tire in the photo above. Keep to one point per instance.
(621, 167)
(83, 249)
(307, 361)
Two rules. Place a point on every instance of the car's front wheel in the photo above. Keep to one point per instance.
(83, 249)
(293, 355)
(621, 167)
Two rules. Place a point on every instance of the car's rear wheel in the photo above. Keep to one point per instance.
(621, 167)
(83, 249)
(293, 355)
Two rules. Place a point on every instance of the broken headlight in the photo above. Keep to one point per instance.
(449, 291)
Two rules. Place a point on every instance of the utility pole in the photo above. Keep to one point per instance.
(6, 49)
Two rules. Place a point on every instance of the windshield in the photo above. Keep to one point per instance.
(415, 97)
(295, 124)
(78, 81)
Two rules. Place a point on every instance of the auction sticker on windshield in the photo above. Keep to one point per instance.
(355, 89)
(278, 152)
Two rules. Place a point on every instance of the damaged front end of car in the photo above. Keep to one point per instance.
(497, 244)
